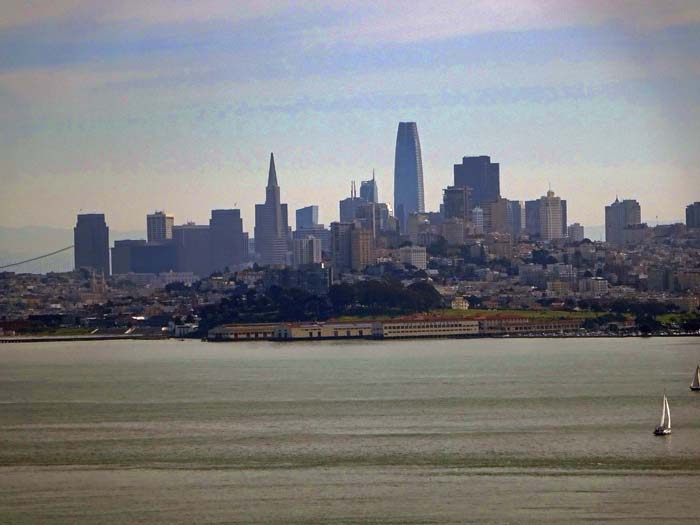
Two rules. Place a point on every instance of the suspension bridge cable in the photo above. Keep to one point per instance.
(36, 258)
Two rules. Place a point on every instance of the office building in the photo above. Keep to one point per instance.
(692, 215)
(348, 207)
(532, 217)
(91, 243)
(341, 245)
(595, 286)
(227, 241)
(480, 175)
(455, 203)
(318, 232)
(387, 222)
(408, 174)
(478, 220)
(416, 223)
(618, 216)
(563, 218)
(454, 231)
(306, 251)
(516, 217)
(307, 217)
(575, 232)
(271, 223)
(154, 257)
(414, 256)
(368, 190)
(496, 216)
(159, 226)
(361, 249)
(194, 250)
(372, 217)
(121, 255)
(550, 217)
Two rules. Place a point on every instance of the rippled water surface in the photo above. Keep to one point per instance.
(439, 431)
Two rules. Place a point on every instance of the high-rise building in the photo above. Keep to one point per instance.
(478, 220)
(563, 218)
(193, 246)
(227, 240)
(159, 226)
(575, 232)
(368, 190)
(348, 207)
(454, 231)
(692, 215)
(318, 232)
(618, 216)
(408, 174)
(496, 216)
(91, 243)
(307, 217)
(154, 257)
(341, 245)
(361, 248)
(271, 223)
(121, 255)
(516, 217)
(550, 217)
(387, 223)
(368, 215)
(482, 176)
(414, 256)
(307, 251)
(416, 223)
(455, 203)
(532, 217)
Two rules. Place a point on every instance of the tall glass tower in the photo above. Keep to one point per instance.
(408, 174)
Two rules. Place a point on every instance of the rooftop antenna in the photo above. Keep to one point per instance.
(372, 173)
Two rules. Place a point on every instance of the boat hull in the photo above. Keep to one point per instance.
(695, 388)
(662, 431)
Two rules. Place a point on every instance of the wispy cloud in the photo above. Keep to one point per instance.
(194, 93)
(390, 21)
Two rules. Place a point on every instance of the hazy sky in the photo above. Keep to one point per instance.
(128, 106)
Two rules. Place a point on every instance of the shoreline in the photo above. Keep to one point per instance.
(68, 338)
(75, 338)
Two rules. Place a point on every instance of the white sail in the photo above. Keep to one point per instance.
(668, 414)
(663, 413)
(696, 378)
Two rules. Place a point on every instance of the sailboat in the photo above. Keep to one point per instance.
(695, 385)
(664, 427)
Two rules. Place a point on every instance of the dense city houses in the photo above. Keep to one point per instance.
(481, 264)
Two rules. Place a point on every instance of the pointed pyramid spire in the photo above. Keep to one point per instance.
(272, 176)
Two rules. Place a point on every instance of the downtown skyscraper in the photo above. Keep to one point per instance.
(618, 216)
(271, 223)
(408, 174)
(482, 177)
(91, 243)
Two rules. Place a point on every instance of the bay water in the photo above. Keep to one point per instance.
(420, 431)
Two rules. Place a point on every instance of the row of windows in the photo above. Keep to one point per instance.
(251, 335)
(423, 330)
(428, 325)
(338, 333)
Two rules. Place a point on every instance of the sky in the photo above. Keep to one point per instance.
(127, 107)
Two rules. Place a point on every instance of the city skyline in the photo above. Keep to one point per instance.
(598, 100)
